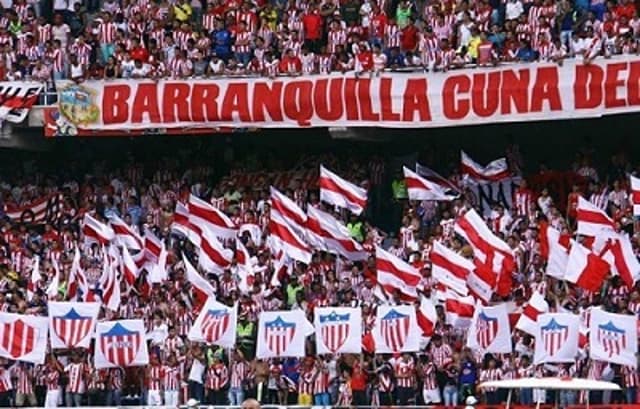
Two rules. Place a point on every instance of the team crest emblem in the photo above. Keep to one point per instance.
(215, 324)
(72, 328)
(334, 330)
(279, 334)
(612, 338)
(554, 336)
(486, 330)
(395, 329)
(19, 338)
(120, 345)
(77, 105)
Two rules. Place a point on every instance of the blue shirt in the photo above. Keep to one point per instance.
(221, 40)
(468, 373)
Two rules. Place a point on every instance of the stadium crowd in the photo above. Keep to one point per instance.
(182, 39)
(444, 371)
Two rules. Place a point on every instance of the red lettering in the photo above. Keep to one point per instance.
(611, 84)
(204, 104)
(587, 89)
(633, 84)
(364, 99)
(175, 99)
(546, 89)
(485, 93)
(235, 100)
(298, 105)
(267, 96)
(386, 102)
(350, 99)
(146, 102)
(514, 88)
(115, 109)
(451, 107)
(328, 104)
(416, 100)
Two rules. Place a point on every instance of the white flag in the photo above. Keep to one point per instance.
(23, 337)
(216, 324)
(613, 337)
(72, 324)
(489, 330)
(556, 338)
(282, 334)
(396, 329)
(338, 330)
(120, 344)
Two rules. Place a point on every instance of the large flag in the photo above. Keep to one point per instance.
(338, 330)
(182, 224)
(286, 239)
(635, 194)
(109, 283)
(436, 178)
(489, 330)
(72, 324)
(528, 321)
(494, 171)
(585, 269)
(396, 329)
(201, 287)
(341, 193)
(554, 248)
(77, 282)
(288, 210)
(450, 268)
(125, 236)
(216, 324)
(419, 188)
(23, 337)
(593, 221)
(129, 269)
(613, 337)
(213, 256)
(203, 215)
(458, 310)
(120, 344)
(47, 209)
(395, 275)
(328, 234)
(282, 334)
(624, 263)
(556, 338)
(427, 316)
(96, 232)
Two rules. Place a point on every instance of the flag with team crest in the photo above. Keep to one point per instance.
(216, 324)
(613, 337)
(121, 343)
(282, 334)
(338, 330)
(23, 337)
(490, 330)
(72, 324)
(396, 329)
(557, 337)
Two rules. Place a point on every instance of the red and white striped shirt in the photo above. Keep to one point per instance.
(405, 373)
(171, 378)
(305, 383)
(76, 373)
(429, 381)
(44, 33)
(217, 377)
(107, 33)
(321, 382)
(392, 35)
(336, 38)
(155, 377)
(52, 380)
(239, 372)
(82, 51)
(24, 375)
(243, 42)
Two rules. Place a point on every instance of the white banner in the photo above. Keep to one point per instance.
(490, 330)
(23, 337)
(216, 324)
(338, 330)
(282, 334)
(396, 329)
(508, 93)
(613, 337)
(120, 344)
(72, 324)
(556, 338)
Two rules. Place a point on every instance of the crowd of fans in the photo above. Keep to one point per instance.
(181, 39)
(444, 371)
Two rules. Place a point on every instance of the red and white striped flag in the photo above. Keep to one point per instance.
(32, 285)
(202, 289)
(528, 321)
(436, 178)
(152, 247)
(288, 210)
(183, 226)
(623, 260)
(54, 285)
(490, 330)
(328, 234)
(129, 269)
(341, 193)
(585, 269)
(286, 239)
(493, 172)
(244, 268)
(458, 310)
(427, 316)
(397, 276)
(77, 280)
(96, 232)
(450, 268)
(47, 209)
(110, 285)
(419, 188)
(554, 248)
(593, 221)
(213, 256)
(635, 194)
(204, 215)
(125, 235)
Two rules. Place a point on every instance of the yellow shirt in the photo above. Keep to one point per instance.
(472, 48)
(182, 12)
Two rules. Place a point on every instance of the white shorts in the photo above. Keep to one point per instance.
(431, 396)
(52, 399)
(171, 398)
(154, 398)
